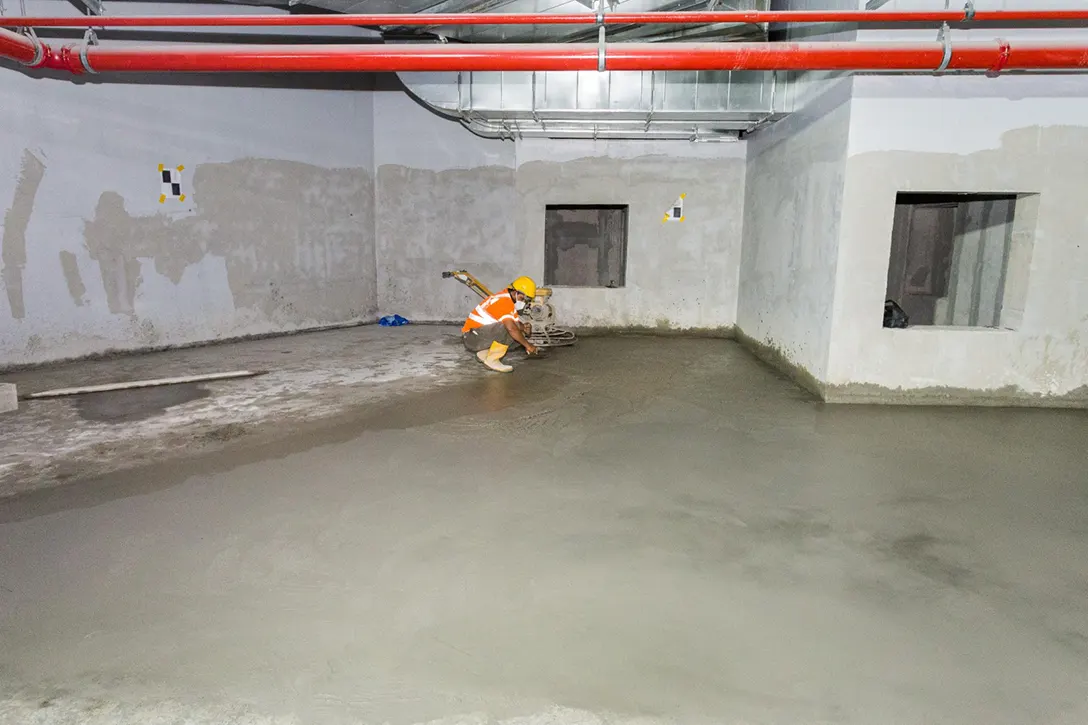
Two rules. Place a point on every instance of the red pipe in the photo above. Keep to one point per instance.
(17, 47)
(663, 18)
(969, 55)
(994, 55)
(324, 58)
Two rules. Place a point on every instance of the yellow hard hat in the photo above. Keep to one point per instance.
(525, 285)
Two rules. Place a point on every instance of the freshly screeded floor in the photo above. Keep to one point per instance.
(632, 530)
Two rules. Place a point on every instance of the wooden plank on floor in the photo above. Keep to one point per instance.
(108, 387)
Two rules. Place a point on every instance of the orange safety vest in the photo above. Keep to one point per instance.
(495, 308)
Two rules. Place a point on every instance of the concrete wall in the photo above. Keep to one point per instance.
(446, 199)
(680, 275)
(283, 228)
(796, 173)
(1008, 135)
(821, 203)
(795, 178)
(968, 134)
(275, 233)
(353, 203)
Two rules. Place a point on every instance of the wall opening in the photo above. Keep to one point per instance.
(960, 260)
(585, 246)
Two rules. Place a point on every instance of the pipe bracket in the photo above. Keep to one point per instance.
(89, 39)
(39, 48)
(600, 36)
(969, 11)
(945, 37)
(600, 49)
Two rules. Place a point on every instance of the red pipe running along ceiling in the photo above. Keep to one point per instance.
(991, 56)
(660, 18)
(965, 56)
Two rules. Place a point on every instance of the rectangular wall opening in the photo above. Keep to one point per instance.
(585, 246)
(961, 260)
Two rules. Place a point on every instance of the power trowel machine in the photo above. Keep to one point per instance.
(543, 333)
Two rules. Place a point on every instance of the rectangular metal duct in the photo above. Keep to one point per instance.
(658, 104)
(616, 104)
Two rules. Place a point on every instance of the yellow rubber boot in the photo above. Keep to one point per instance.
(493, 357)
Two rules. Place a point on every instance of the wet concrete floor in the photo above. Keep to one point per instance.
(126, 406)
(633, 530)
(312, 378)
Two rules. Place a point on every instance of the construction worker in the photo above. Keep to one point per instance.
(494, 324)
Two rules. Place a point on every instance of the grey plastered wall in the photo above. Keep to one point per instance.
(448, 199)
(796, 173)
(795, 177)
(275, 234)
(680, 275)
(1022, 135)
(444, 199)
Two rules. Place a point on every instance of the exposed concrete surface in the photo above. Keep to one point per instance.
(635, 530)
(294, 239)
(679, 274)
(1009, 396)
(444, 199)
(312, 377)
(429, 222)
(862, 394)
(459, 201)
(781, 362)
(13, 240)
(1047, 354)
(72, 277)
(276, 231)
(815, 261)
(793, 203)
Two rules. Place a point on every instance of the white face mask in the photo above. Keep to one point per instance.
(519, 305)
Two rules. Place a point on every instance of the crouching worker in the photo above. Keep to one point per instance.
(494, 325)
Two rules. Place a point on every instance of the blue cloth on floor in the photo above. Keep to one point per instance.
(393, 321)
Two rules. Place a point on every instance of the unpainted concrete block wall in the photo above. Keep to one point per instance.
(352, 204)
(796, 172)
(447, 199)
(444, 199)
(1013, 135)
(328, 216)
(275, 233)
(820, 205)
(969, 134)
(680, 275)
(793, 201)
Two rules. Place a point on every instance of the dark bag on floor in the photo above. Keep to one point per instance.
(894, 315)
